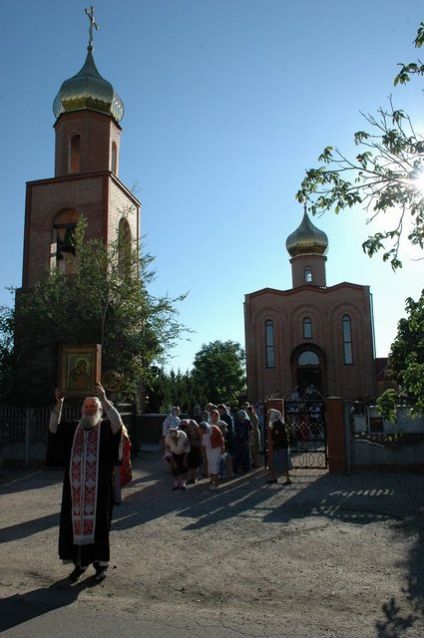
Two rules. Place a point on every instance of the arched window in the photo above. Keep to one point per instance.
(75, 154)
(307, 328)
(63, 247)
(269, 344)
(124, 247)
(308, 274)
(114, 162)
(347, 339)
(308, 358)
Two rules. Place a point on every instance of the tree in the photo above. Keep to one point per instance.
(387, 175)
(167, 389)
(106, 301)
(6, 352)
(406, 361)
(218, 372)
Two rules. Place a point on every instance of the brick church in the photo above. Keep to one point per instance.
(312, 333)
(86, 183)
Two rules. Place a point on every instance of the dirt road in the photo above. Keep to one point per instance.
(338, 556)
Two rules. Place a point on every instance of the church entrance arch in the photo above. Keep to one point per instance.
(305, 410)
(309, 368)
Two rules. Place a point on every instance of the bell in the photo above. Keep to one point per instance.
(67, 248)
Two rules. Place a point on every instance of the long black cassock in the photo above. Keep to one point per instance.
(59, 454)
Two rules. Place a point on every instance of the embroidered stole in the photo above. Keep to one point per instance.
(84, 469)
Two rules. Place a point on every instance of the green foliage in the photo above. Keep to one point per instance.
(218, 372)
(406, 361)
(6, 353)
(387, 404)
(217, 376)
(412, 68)
(408, 346)
(107, 302)
(173, 388)
(384, 177)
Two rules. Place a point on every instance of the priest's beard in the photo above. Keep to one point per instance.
(88, 422)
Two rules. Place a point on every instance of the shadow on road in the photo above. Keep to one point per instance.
(360, 499)
(396, 621)
(13, 480)
(20, 608)
(33, 526)
(367, 498)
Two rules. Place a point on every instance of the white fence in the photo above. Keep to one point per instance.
(374, 441)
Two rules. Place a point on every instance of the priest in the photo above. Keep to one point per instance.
(89, 450)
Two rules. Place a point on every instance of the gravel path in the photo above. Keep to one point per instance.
(338, 556)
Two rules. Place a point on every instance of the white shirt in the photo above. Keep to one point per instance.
(170, 419)
(179, 446)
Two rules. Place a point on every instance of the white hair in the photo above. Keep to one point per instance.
(96, 399)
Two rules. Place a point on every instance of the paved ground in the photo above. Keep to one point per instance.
(329, 556)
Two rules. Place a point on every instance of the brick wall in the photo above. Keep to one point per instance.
(336, 443)
(325, 307)
(96, 131)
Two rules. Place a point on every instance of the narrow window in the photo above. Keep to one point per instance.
(307, 328)
(64, 241)
(114, 158)
(308, 274)
(269, 344)
(75, 154)
(347, 340)
(124, 248)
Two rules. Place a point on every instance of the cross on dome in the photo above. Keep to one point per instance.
(93, 24)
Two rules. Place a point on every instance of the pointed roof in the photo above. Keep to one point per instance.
(307, 239)
(88, 90)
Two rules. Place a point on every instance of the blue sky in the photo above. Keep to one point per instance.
(227, 103)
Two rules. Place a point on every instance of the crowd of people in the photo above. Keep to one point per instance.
(95, 452)
(305, 409)
(214, 443)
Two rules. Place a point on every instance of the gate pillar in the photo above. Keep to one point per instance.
(336, 441)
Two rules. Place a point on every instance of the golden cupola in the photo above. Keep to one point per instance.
(88, 113)
(307, 239)
(88, 90)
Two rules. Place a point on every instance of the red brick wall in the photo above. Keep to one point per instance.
(100, 198)
(317, 266)
(120, 205)
(325, 306)
(97, 132)
(336, 443)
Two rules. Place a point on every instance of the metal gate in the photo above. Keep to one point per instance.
(307, 433)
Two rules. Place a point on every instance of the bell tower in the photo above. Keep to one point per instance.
(307, 246)
(86, 183)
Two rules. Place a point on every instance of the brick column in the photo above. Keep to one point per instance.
(336, 443)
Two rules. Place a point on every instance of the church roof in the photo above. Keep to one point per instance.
(307, 239)
(88, 90)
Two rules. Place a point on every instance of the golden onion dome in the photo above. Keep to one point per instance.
(307, 239)
(88, 90)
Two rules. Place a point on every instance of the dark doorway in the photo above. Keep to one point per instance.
(309, 375)
(309, 370)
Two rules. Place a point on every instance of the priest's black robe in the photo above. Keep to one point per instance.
(59, 453)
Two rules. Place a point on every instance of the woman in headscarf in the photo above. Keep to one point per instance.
(278, 448)
(195, 457)
(213, 444)
(226, 464)
(242, 430)
(177, 447)
(255, 435)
